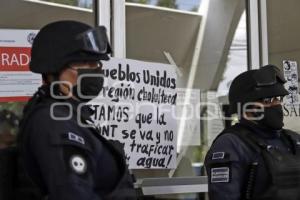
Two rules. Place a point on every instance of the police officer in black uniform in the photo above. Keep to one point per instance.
(61, 153)
(256, 158)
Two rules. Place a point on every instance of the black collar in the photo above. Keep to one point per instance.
(261, 131)
(82, 108)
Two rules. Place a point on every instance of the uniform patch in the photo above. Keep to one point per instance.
(76, 138)
(78, 164)
(220, 175)
(218, 155)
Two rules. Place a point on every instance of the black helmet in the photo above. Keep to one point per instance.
(63, 42)
(253, 85)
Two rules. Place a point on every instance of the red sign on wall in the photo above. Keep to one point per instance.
(14, 58)
(17, 83)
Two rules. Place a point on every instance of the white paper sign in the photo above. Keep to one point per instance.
(291, 75)
(291, 102)
(188, 116)
(137, 107)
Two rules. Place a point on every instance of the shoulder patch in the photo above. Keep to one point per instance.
(76, 138)
(218, 155)
(220, 175)
(78, 164)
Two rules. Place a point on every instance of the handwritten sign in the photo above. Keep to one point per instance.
(137, 107)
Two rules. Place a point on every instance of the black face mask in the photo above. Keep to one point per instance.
(272, 117)
(90, 85)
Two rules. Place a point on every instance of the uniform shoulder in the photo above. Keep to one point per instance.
(228, 139)
(230, 145)
(292, 133)
(50, 111)
(44, 119)
(45, 126)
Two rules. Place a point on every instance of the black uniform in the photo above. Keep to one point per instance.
(249, 162)
(67, 161)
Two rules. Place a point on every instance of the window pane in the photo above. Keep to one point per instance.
(79, 3)
(284, 52)
(185, 5)
(209, 48)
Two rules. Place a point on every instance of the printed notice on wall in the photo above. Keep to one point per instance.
(291, 75)
(137, 107)
(17, 83)
(291, 108)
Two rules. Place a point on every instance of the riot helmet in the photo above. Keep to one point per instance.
(253, 85)
(63, 42)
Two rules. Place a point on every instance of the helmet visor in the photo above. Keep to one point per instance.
(94, 40)
(269, 75)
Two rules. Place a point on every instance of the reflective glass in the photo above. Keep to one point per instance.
(284, 51)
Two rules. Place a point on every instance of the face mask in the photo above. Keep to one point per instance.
(272, 117)
(90, 85)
